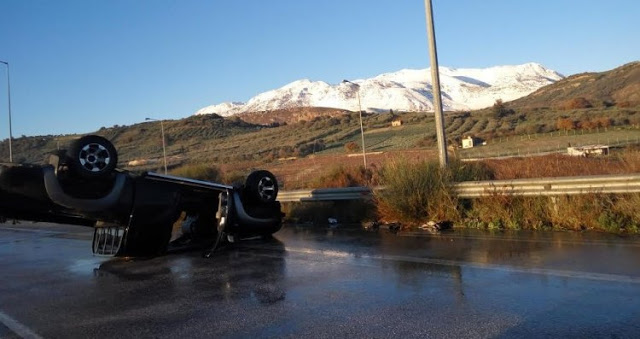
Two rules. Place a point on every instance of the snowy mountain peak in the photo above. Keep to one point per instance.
(404, 90)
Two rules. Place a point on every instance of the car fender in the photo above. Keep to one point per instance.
(58, 196)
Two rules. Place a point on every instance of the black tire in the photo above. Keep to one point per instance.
(93, 156)
(262, 186)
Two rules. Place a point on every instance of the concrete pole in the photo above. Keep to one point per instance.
(364, 152)
(9, 101)
(435, 80)
(164, 150)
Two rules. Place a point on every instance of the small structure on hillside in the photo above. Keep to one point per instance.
(396, 122)
(588, 151)
(469, 142)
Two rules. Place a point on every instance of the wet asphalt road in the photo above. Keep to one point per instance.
(315, 282)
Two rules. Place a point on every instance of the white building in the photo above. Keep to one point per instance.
(588, 151)
(467, 142)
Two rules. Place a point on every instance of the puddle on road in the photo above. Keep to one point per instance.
(85, 266)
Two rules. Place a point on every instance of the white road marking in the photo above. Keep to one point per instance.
(18, 328)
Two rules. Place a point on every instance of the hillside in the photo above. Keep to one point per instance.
(619, 87)
(290, 115)
(139, 141)
(261, 142)
(405, 90)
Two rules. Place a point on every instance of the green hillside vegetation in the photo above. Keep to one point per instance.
(289, 115)
(618, 87)
(211, 139)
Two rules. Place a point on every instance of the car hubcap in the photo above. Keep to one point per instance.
(94, 157)
(266, 189)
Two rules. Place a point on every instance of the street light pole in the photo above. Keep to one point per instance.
(164, 150)
(364, 153)
(435, 80)
(9, 101)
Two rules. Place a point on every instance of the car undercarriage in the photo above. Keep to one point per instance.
(137, 214)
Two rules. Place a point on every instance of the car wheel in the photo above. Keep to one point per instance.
(93, 156)
(262, 186)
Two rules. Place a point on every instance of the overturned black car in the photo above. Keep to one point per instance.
(136, 215)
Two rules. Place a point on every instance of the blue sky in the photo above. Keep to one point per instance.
(79, 65)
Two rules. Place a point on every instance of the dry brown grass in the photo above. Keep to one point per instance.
(558, 165)
(600, 212)
(417, 192)
(341, 176)
(302, 172)
(597, 212)
(508, 212)
(607, 213)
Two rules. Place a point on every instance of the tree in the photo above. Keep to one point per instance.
(577, 103)
(351, 147)
(565, 124)
(500, 110)
(587, 124)
(603, 122)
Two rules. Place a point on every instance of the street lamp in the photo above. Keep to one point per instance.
(9, 101)
(364, 154)
(164, 150)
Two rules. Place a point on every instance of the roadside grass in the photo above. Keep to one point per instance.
(559, 165)
(342, 176)
(506, 212)
(595, 212)
(417, 192)
(310, 172)
(200, 172)
(553, 142)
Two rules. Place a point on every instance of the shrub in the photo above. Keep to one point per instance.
(428, 141)
(577, 103)
(341, 176)
(580, 212)
(469, 171)
(603, 122)
(510, 212)
(565, 124)
(235, 178)
(419, 192)
(351, 147)
(199, 172)
(309, 148)
(500, 110)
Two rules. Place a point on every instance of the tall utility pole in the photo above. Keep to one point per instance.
(9, 101)
(364, 152)
(164, 149)
(435, 81)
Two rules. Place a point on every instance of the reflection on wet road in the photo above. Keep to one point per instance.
(332, 283)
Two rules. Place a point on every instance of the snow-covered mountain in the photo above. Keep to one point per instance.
(405, 90)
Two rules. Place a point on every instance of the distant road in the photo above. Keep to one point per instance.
(319, 282)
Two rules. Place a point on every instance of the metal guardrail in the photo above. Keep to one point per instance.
(614, 184)
(552, 186)
(326, 194)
